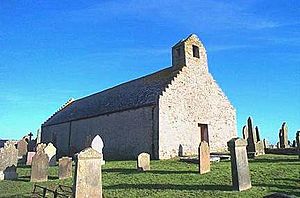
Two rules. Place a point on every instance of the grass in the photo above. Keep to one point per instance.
(172, 178)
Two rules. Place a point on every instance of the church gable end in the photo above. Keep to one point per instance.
(193, 99)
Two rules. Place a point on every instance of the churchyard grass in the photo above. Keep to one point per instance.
(172, 178)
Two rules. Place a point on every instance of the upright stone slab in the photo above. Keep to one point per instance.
(39, 165)
(22, 148)
(255, 146)
(65, 167)
(298, 142)
(8, 161)
(38, 136)
(50, 150)
(87, 178)
(239, 164)
(29, 158)
(283, 136)
(143, 162)
(98, 145)
(204, 157)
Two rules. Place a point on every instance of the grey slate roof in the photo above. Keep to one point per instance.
(133, 94)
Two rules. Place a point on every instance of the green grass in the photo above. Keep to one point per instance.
(171, 178)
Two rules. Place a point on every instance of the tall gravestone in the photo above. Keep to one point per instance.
(204, 157)
(50, 150)
(22, 148)
(143, 162)
(239, 164)
(39, 165)
(8, 161)
(298, 142)
(255, 146)
(283, 136)
(65, 167)
(87, 178)
(38, 136)
(98, 145)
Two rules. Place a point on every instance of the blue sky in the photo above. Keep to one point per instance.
(54, 50)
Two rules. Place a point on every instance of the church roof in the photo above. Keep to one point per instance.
(140, 92)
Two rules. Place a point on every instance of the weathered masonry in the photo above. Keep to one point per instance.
(166, 114)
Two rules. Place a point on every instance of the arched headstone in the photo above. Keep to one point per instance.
(97, 144)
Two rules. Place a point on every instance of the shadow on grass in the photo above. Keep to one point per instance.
(27, 178)
(170, 187)
(134, 171)
(287, 189)
(273, 160)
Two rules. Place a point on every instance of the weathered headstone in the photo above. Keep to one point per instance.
(65, 167)
(298, 142)
(50, 150)
(98, 145)
(29, 158)
(87, 179)
(8, 161)
(255, 146)
(283, 136)
(22, 148)
(239, 164)
(38, 136)
(39, 165)
(143, 162)
(266, 144)
(204, 157)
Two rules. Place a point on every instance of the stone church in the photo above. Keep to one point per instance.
(165, 114)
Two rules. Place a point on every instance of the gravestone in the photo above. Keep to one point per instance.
(298, 142)
(98, 145)
(50, 150)
(29, 158)
(8, 161)
(87, 178)
(266, 144)
(239, 164)
(204, 157)
(22, 148)
(143, 162)
(38, 136)
(65, 167)
(39, 165)
(283, 136)
(255, 146)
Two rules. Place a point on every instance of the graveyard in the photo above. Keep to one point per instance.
(105, 99)
(173, 178)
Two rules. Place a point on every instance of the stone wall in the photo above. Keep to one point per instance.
(193, 97)
(125, 134)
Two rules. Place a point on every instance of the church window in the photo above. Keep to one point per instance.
(196, 51)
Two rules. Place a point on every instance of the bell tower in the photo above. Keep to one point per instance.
(189, 52)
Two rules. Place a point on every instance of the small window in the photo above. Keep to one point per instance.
(178, 52)
(196, 51)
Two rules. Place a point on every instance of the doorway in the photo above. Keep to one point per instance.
(204, 132)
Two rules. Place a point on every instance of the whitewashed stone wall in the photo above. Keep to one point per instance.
(194, 97)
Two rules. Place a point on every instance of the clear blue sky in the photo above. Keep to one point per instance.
(54, 50)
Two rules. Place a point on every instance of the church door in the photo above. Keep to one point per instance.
(204, 132)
